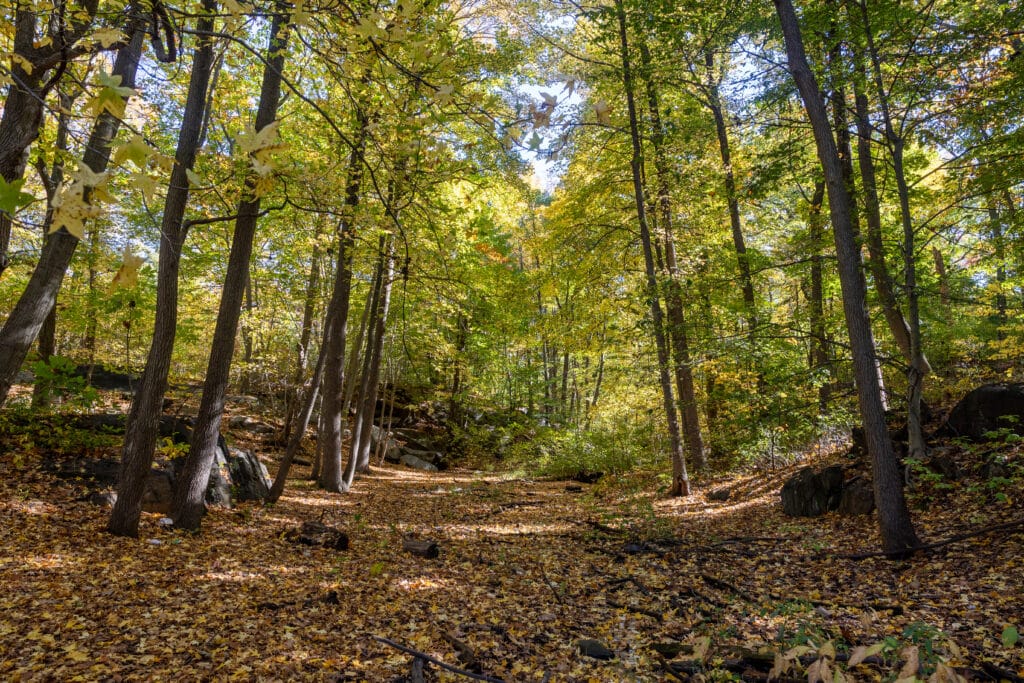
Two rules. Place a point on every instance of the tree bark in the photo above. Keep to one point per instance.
(23, 324)
(681, 359)
(917, 367)
(819, 347)
(680, 480)
(302, 348)
(189, 496)
(896, 526)
(362, 453)
(714, 102)
(331, 477)
(142, 425)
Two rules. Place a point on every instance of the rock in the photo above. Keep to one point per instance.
(104, 499)
(249, 477)
(249, 424)
(421, 548)
(994, 468)
(318, 534)
(983, 410)
(594, 649)
(943, 463)
(392, 451)
(857, 498)
(411, 460)
(159, 492)
(721, 495)
(809, 493)
(111, 380)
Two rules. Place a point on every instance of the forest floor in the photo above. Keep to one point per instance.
(527, 569)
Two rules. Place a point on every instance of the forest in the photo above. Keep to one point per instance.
(444, 340)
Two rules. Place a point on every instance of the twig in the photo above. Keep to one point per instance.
(551, 586)
(715, 582)
(436, 661)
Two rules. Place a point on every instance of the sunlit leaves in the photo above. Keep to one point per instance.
(74, 202)
(11, 196)
(127, 275)
(112, 97)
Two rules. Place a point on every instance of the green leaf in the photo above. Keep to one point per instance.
(112, 96)
(11, 196)
(1010, 636)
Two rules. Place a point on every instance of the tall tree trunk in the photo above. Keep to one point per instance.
(873, 217)
(680, 480)
(917, 367)
(142, 424)
(895, 524)
(362, 453)
(676, 313)
(331, 476)
(360, 424)
(189, 496)
(714, 102)
(819, 349)
(23, 324)
(302, 348)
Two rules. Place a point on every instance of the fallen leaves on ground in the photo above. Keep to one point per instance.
(527, 571)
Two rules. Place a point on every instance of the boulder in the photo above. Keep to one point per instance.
(857, 498)
(810, 493)
(249, 477)
(391, 449)
(159, 493)
(721, 495)
(994, 468)
(410, 460)
(941, 462)
(984, 409)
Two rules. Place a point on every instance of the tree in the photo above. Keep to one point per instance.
(23, 324)
(897, 529)
(189, 497)
(144, 415)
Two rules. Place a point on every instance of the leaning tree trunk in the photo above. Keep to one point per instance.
(331, 475)
(680, 342)
(302, 349)
(680, 480)
(376, 354)
(896, 526)
(917, 367)
(23, 324)
(142, 425)
(714, 102)
(302, 421)
(40, 66)
(189, 496)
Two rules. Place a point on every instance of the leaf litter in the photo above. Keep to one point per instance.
(532, 580)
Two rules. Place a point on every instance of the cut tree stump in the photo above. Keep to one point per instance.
(421, 548)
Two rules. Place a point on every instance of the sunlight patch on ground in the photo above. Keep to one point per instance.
(421, 583)
(510, 529)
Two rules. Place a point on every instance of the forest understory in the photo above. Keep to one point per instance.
(531, 575)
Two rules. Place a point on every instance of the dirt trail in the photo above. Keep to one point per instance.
(527, 569)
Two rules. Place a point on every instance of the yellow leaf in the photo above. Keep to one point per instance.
(107, 36)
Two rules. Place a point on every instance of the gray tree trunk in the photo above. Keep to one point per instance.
(895, 524)
(680, 480)
(142, 424)
(189, 497)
